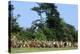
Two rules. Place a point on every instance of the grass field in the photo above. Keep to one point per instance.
(25, 50)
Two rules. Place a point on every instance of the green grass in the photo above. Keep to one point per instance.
(24, 50)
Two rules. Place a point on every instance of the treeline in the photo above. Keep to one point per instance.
(50, 28)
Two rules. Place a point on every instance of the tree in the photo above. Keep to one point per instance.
(52, 15)
(72, 32)
(53, 20)
(55, 26)
(40, 35)
(26, 34)
(14, 26)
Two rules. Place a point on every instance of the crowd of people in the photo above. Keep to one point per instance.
(41, 43)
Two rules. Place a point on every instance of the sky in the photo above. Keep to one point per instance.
(68, 12)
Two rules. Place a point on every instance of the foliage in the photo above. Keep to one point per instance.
(14, 27)
(53, 27)
(26, 34)
(40, 35)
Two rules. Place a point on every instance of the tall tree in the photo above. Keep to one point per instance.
(60, 29)
(53, 20)
(14, 27)
(13, 24)
(52, 15)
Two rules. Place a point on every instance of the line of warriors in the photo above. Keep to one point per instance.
(41, 44)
